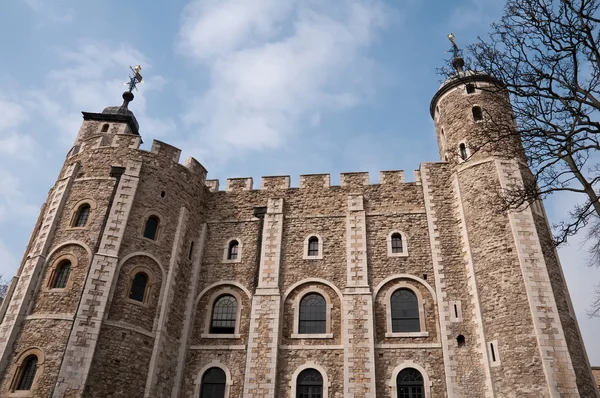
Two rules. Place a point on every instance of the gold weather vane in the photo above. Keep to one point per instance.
(457, 62)
(454, 46)
(135, 79)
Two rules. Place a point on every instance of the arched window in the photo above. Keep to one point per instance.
(104, 128)
(397, 243)
(313, 246)
(477, 114)
(232, 251)
(224, 315)
(309, 384)
(409, 383)
(313, 314)
(138, 287)
(81, 218)
(405, 311)
(151, 228)
(61, 276)
(463, 151)
(28, 370)
(214, 381)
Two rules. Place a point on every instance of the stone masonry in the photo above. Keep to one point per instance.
(137, 313)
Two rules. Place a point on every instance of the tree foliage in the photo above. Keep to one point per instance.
(547, 54)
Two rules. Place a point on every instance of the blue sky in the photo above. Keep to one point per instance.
(249, 88)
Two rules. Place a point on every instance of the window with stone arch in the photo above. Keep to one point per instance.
(141, 282)
(61, 275)
(151, 227)
(397, 244)
(27, 370)
(405, 311)
(409, 384)
(312, 314)
(232, 251)
(213, 384)
(313, 248)
(309, 384)
(105, 127)
(82, 215)
(224, 315)
(463, 152)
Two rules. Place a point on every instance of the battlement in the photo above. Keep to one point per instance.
(314, 181)
(166, 150)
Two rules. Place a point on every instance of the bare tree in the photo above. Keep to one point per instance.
(546, 55)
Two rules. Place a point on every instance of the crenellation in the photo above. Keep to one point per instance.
(195, 167)
(239, 184)
(272, 183)
(213, 185)
(314, 181)
(389, 177)
(166, 151)
(354, 180)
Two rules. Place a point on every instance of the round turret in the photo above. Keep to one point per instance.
(474, 119)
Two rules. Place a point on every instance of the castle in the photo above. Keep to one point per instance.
(144, 279)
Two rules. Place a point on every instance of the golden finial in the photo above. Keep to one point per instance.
(135, 79)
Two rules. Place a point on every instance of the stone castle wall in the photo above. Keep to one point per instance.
(494, 311)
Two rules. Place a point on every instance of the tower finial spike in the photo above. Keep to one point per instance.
(458, 62)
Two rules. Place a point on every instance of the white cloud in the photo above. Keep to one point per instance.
(275, 65)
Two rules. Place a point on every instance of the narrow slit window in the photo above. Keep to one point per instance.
(463, 151)
(62, 275)
(224, 315)
(151, 228)
(82, 216)
(397, 243)
(233, 250)
(455, 310)
(477, 113)
(313, 246)
(493, 352)
(138, 287)
(191, 252)
(28, 374)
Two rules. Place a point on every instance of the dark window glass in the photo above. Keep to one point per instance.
(213, 384)
(62, 275)
(138, 287)
(223, 315)
(309, 384)
(463, 151)
(397, 243)
(477, 114)
(409, 384)
(105, 128)
(470, 89)
(82, 215)
(313, 246)
(29, 367)
(151, 228)
(232, 252)
(405, 311)
(313, 314)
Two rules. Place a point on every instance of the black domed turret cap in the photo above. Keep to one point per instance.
(117, 114)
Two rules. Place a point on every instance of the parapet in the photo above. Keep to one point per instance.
(391, 177)
(239, 184)
(354, 180)
(314, 181)
(166, 150)
(272, 183)
(195, 167)
(213, 185)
